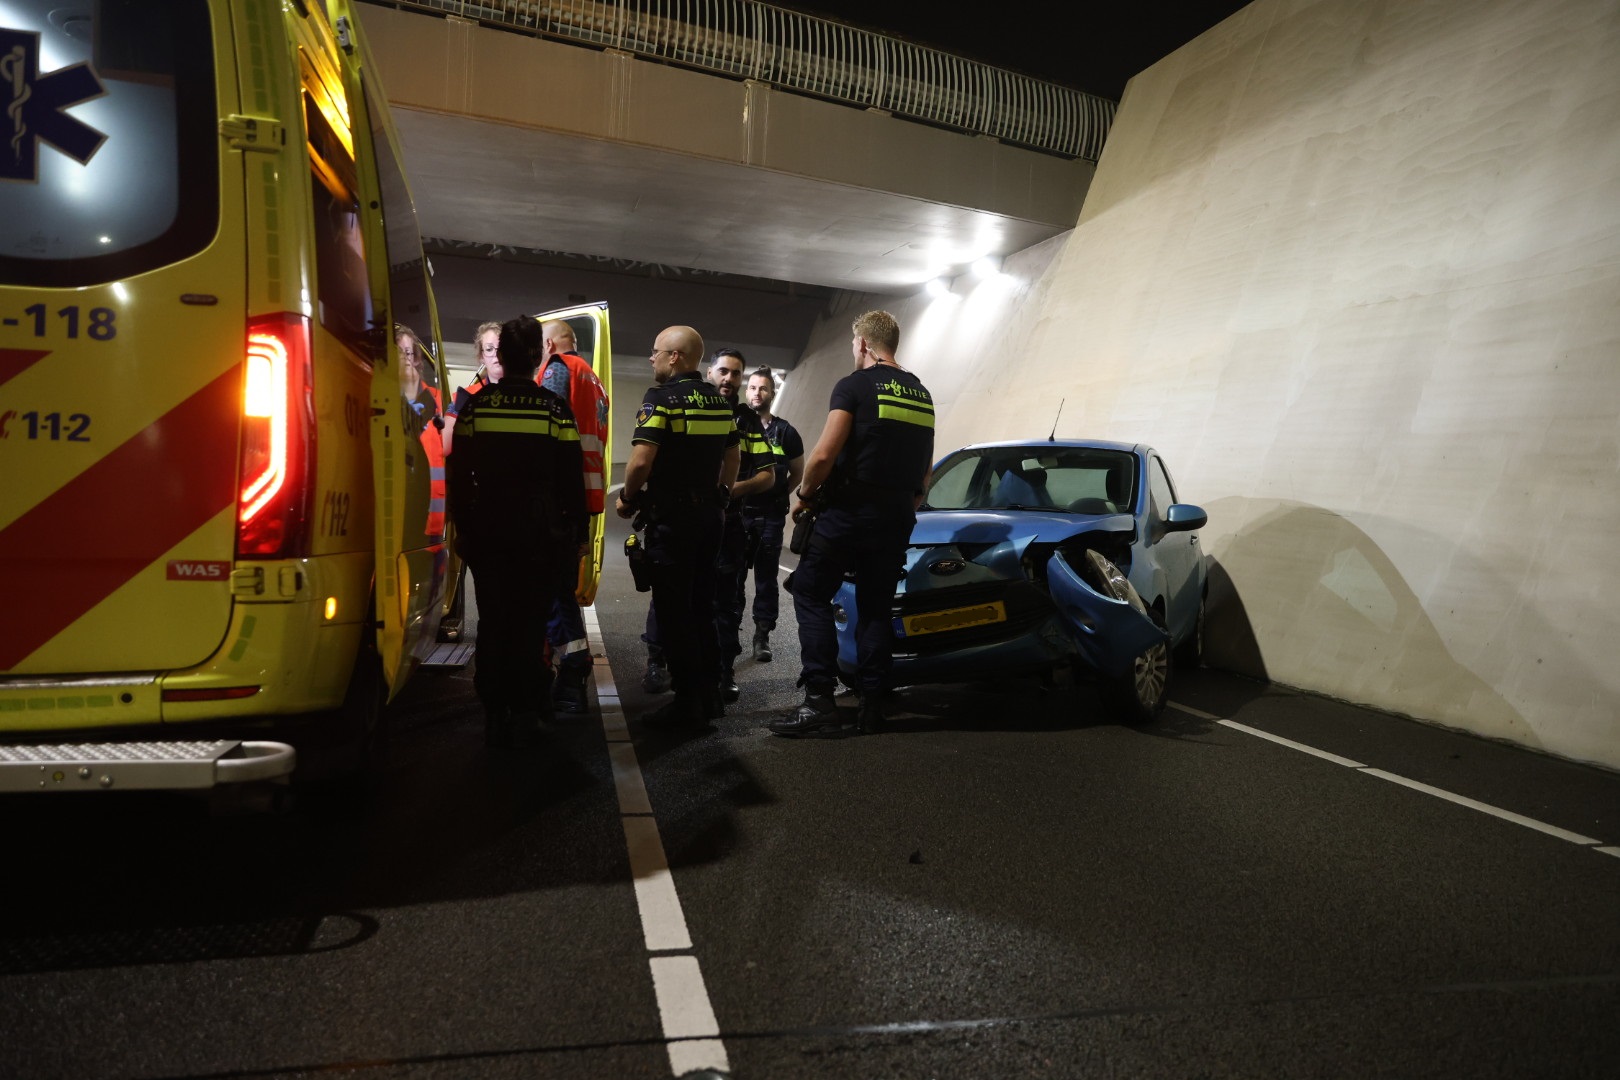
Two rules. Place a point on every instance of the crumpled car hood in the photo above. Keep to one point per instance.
(1021, 527)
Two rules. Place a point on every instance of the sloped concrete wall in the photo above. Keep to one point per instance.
(1355, 268)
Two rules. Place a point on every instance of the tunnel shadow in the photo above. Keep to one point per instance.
(1301, 596)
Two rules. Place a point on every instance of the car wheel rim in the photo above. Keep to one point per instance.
(1152, 671)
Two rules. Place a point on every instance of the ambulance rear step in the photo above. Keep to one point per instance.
(141, 766)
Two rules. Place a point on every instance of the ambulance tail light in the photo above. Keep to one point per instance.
(272, 509)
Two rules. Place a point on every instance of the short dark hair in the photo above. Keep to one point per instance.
(521, 342)
(721, 354)
(763, 373)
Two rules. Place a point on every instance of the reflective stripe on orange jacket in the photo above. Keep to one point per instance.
(589, 401)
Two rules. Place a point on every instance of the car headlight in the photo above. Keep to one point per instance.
(1113, 581)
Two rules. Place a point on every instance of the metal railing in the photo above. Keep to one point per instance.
(745, 39)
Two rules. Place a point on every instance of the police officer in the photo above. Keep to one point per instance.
(731, 567)
(764, 515)
(756, 476)
(518, 497)
(683, 460)
(868, 471)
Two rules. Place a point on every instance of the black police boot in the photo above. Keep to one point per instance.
(818, 716)
(680, 712)
(568, 696)
(871, 719)
(712, 705)
(656, 678)
(762, 644)
(729, 691)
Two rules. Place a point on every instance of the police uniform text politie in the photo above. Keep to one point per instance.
(684, 458)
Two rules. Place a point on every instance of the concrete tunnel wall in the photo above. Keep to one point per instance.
(1355, 269)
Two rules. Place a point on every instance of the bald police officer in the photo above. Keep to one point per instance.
(683, 460)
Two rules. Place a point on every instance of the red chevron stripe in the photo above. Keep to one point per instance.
(73, 550)
(14, 362)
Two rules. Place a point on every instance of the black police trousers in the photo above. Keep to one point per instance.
(681, 548)
(869, 539)
(730, 568)
(515, 595)
(767, 554)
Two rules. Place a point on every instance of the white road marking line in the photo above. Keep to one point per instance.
(684, 1003)
(627, 779)
(684, 1009)
(1427, 789)
(1292, 745)
(1484, 808)
(663, 923)
(679, 986)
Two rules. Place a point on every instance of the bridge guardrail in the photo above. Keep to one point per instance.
(746, 39)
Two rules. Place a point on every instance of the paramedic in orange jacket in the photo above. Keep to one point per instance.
(422, 398)
(570, 376)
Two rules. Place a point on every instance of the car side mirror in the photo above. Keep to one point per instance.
(1185, 517)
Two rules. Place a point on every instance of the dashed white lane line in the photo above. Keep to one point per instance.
(1427, 789)
(684, 1010)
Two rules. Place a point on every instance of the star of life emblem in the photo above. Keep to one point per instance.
(34, 104)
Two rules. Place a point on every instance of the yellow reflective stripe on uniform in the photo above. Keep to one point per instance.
(526, 425)
(911, 412)
(703, 421)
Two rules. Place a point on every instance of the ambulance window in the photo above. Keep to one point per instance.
(111, 162)
(342, 289)
(407, 268)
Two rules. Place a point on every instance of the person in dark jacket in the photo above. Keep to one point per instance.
(517, 495)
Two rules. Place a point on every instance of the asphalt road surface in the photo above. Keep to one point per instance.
(1010, 884)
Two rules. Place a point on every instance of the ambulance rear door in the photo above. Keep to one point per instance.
(407, 397)
(594, 340)
(122, 339)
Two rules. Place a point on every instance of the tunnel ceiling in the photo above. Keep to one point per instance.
(493, 183)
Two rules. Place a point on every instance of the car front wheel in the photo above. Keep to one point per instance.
(1140, 694)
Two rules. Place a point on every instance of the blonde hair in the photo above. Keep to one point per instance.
(484, 328)
(878, 328)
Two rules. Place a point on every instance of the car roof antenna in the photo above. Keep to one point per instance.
(1053, 437)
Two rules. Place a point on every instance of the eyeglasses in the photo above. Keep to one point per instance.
(656, 353)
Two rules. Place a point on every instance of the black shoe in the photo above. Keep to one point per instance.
(678, 712)
(817, 716)
(762, 646)
(871, 719)
(656, 678)
(568, 696)
(729, 690)
(713, 706)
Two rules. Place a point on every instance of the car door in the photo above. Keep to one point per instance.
(1177, 554)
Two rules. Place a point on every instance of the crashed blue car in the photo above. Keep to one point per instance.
(1034, 558)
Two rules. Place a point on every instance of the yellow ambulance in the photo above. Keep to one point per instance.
(221, 478)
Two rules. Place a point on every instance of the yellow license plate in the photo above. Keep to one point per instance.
(957, 618)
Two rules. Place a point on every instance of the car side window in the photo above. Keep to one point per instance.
(1160, 489)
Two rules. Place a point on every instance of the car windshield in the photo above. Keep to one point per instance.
(1075, 479)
